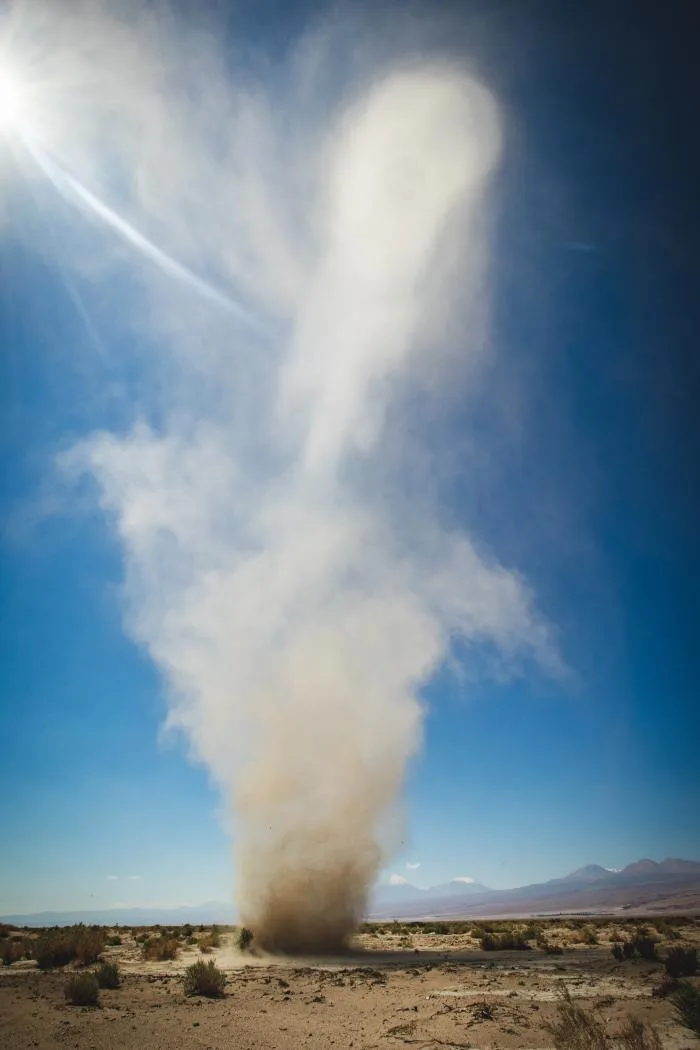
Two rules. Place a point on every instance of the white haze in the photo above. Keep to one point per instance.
(288, 567)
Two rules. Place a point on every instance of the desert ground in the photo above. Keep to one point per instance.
(419, 985)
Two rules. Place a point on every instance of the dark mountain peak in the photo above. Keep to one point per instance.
(676, 866)
(645, 866)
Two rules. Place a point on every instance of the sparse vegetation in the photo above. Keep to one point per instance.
(686, 1001)
(645, 947)
(108, 975)
(642, 946)
(509, 941)
(58, 947)
(204, 979)
(210, 940)
(245, 939)
(681, 962)
(82, 989)
(12, 949)
(576, 1028)
(114, 941)
(160, 948)
(636, 1035)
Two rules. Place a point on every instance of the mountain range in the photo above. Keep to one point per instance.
(671, 885)
(668, 885)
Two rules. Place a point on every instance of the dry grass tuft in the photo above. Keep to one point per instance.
(160, 948)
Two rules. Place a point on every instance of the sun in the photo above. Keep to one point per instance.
(12, 101)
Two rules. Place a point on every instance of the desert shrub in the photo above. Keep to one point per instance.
(114, 941)
(12, 950)
(160, 948)
(622, 950)
(82, 989)
(666, 930)
(589, 935)
(645, 947)
(58, 947)
(575, 1028)
(533, 931)
(636, 1035)
(681, 962)
(245, 938)
(187, 930)
(663, 990)
(204, 979)
(209, 941)
(498, 942)
(190, 940)
(108, 975)
(686, 1001)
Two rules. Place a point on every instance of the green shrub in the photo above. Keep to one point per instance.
(112, 942)
(204, 979)
(245, 938)
(160, 948)
(681, 962)
(108, 975)
(82, 989)
(190, 940)
(686, 1001)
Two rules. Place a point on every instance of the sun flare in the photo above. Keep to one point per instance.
(12, 100)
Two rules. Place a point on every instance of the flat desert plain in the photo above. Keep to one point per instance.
(401, 986)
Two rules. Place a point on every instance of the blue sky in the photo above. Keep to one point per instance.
(587, 485)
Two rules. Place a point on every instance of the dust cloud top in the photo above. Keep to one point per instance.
(286, 565)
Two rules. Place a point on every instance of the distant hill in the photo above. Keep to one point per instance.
(201, 914)
(669, 885)
(645, 886)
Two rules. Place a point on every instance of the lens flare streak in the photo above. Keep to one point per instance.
(72, 190)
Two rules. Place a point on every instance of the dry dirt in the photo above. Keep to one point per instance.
(417, 990)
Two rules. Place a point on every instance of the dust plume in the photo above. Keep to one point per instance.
(289, 566)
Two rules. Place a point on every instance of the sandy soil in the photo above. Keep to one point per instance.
(385, 995)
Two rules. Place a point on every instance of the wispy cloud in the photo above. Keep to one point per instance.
(133, 878)
(112, 878)
(412, 867)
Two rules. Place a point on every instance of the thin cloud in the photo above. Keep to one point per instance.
(412, 867)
